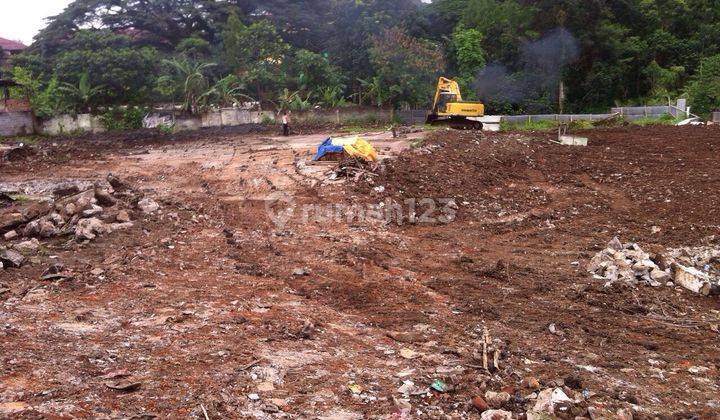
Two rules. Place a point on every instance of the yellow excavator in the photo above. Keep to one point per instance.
(450, 109)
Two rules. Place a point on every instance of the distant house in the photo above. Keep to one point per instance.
(9, 48)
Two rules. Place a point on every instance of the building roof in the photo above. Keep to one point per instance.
(9, 45)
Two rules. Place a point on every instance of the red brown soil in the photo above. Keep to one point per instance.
(200, 305)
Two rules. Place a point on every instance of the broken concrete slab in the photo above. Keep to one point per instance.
(11, 258)
(692, 279)
(148, 205)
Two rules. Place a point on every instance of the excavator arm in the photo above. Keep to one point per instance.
(449, 107)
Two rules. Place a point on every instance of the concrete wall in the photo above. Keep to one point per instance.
(16, 123)
(228, 117)
(64, 124)
(349, 115)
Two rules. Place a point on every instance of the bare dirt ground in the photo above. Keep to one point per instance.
(209, 308)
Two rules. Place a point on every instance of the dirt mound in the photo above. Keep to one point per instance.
(487, 178)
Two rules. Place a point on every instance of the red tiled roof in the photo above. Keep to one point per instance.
(9, 45)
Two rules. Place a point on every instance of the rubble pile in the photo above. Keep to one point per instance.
(357, 169)
(80, 211)
(696, 269)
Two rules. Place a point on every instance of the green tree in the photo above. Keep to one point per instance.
(126, 73)
(189, 80)
(311, 72)
(406, 68)
(46, 99)
(226, 92)
(468, 55)
(704, 87)
(255, 54)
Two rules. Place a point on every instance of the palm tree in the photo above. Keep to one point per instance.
(226, 92)
(190, 79)
(83, 93)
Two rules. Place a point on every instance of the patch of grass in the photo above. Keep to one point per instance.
(581, 125)
(417, 143)
(650, 121)
(541, 125)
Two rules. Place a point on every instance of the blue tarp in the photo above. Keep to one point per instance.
(327, 147)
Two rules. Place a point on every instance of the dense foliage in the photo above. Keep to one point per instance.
(513, 54)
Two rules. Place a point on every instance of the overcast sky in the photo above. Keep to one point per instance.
(20, 20)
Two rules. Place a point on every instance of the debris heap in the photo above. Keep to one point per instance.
(82, 213)
(696, 269)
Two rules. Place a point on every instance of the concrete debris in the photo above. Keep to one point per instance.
(11, 258)
(93, 211)
(122, 217)
(695, 269)
(117, 184)
(104, 198)
(83, 213)
(90, 228)
(692, 279)
(497, 399)
(148, 205)
(29, 247)
(550, 399)
(65, 189)
(496, 415)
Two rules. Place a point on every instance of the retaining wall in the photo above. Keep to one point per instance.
(16, 123)
(71, 123)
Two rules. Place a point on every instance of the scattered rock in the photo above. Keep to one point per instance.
(692, 279)
(55, 272)
(29, 247)
(90, 228)
(300, 272)
(496, 415)
(479, 403)
(11, 258)
(70, 209)
(691, 268)
(94, 210)
(46, 229)
(122, 216)
(66, 189)
(9, 236)
(104, 198)
(497, 399)
(148, 205)
(548, 399)
(531, 383)
(117, 183)
(408, 354)
(124, 385)
(32, 229)
(10, 221)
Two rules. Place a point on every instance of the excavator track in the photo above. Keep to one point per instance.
(456, 123)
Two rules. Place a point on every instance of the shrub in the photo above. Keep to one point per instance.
(122, 118)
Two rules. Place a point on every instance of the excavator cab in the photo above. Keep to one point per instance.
(450, 109)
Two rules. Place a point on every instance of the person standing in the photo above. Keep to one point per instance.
(286, 123)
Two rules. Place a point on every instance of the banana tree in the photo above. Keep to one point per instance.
(81, 94)
(190, 79)
(226, 92)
